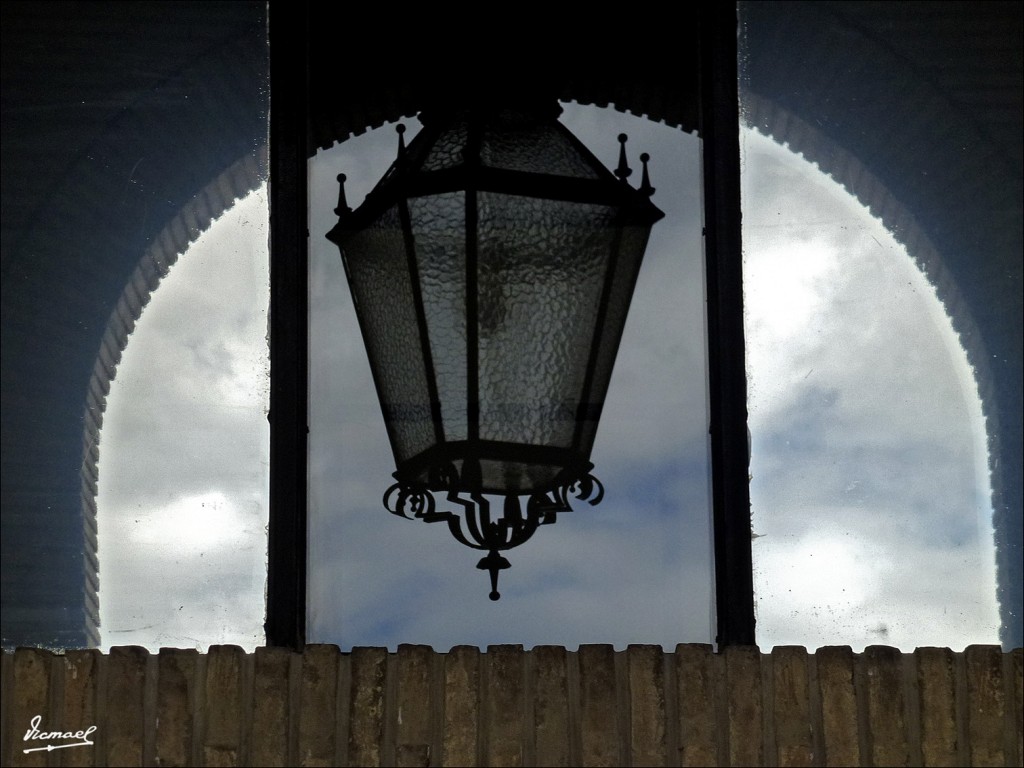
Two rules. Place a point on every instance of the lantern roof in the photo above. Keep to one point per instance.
(515, 147)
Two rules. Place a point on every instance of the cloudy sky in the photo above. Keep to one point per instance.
(870, 489)
(184, 451)
(870, 484)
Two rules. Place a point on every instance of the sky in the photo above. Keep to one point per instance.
(869, 472)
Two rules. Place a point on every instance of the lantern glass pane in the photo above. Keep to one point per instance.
(632, 244)
(533, 148)
(539, 300)
(378, 268)
(447, 150)
(438, 222)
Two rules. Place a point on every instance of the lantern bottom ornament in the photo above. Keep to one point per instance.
(479, 526)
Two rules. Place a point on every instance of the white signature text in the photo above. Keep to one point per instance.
(35, 734)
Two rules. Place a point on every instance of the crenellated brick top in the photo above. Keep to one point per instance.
(507, 706)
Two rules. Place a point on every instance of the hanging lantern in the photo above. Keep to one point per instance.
(491, 270)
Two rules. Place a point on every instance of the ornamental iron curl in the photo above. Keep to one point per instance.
(476, 526)
(403, 498)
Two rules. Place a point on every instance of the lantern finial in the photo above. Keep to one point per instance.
(400, 130)
(623, 171)
(645, 183)
(342, 210)
(494, 563)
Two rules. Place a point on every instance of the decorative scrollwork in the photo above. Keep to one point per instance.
(583, 488)
(409, 501)
(493, 564)
(476, 525)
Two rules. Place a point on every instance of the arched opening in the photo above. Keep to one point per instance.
(356, 577)
(184, 450)
(870, 474)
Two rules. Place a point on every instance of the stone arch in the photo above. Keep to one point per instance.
(115, 145)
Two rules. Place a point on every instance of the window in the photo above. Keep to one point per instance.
(375, 579)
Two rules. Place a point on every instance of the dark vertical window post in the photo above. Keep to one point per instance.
(727, 383)
(286, 572)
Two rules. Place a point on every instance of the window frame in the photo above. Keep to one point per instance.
(290, 145)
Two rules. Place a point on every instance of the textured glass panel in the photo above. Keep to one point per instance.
(517, 476)
(439, 226)
(523, 146)
(379, 271)
(627, 265)
(535, 149)
(447, 150)
(542, 268)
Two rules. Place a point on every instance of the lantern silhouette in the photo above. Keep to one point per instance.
(492, 269)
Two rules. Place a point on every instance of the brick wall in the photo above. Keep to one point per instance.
(506, 706)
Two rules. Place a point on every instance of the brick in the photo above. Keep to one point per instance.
(887, 730)
(414, 741)
(461, 706)
(175, 705)
(840, 729)
(599, 732)
(985, 704)
(1017, 671)
(551, 705)
(936, 685)
(318, 695)
(366, 726)
(223, 697)
(124, 720)
(696, 697)
(31, 682)
(646, 668)
(791, 707)
(504, 713)
(745, 706)
(270, 707)
(79, 709)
